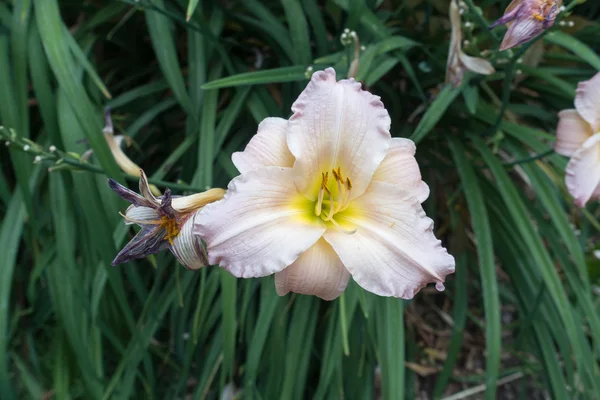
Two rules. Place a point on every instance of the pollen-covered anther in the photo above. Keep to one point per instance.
(336, 202)
(171, 227)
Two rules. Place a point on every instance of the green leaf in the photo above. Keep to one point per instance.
(284, 74)
(435, 111)
(577, 47)
(487, 266)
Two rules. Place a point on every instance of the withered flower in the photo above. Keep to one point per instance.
(166, 223)
(458, 61)
(527, 19)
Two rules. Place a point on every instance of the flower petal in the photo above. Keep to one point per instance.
(399, 167)
(142, 214)
(523, 29)
(194, 202)
(145, 188)
(149, 240)
(267, 148)
(583, 171)
(336, 124)
(511, 12)
(571, 132)
(394, 251)
(188, 247)
(261, 226)
(454, 71)
(587, 101)
(477, 65)
(128, 194)
(318, 271)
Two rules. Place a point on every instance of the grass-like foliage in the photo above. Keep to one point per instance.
(189, 82)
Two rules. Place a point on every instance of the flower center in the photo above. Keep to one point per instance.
(171, 227)
(334, 197)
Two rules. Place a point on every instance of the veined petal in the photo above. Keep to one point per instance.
(477, 65)
(145, 188)
(193, 202)
(142, 214)
(522, 30)
(149, 240)
(571, 132)
(261, 226)
(188, 247)
(318, 271)
(583, 171)
(267, 148)
(394, 251)
(336, 124)
(587, 101)
(129, 195)
(399, 167)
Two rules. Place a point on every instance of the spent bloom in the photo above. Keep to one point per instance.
(458, 61)
(578, 137)
(527, 19)
(114, 144)
(166, 222)
(325, 195)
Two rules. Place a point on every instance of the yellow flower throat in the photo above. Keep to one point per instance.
(171, 227)
(338, 197)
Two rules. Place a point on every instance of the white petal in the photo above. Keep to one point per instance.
(267, 148)
(336, 124)
(188, 247)
(583, 171)
(587, 101)
(399, 167)
(261, 226)
(571, 132)
(475, 64)
(142, 214)
(394, 251)
(318, 271)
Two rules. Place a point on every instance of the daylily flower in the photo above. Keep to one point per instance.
(325, 195)
(458, 61)
(578, 137)
(166, 223)
(526, 19)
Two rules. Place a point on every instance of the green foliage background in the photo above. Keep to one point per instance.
(190, 93)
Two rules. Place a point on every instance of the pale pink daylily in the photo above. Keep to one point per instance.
(458, 61)
(325, 195)
(527, 19)
(578, 137)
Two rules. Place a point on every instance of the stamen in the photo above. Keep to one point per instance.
(324, 182)
(331, 208)
(539, 17)
(319, 205)
(346, 231)
(338, 203)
